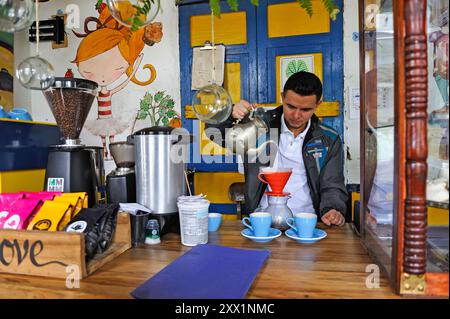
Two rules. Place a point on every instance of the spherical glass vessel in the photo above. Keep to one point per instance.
(212, 104)
(35, 73)
(137, 13)
(15, 15)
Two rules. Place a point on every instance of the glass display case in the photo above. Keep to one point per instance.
(404, 141)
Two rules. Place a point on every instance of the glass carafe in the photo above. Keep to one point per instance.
(279, 210)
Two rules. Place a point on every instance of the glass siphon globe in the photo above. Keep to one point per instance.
(126, 11)
(15, 15)
(35, 73)
(212, 104)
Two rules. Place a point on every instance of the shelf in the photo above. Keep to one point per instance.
(433, 204)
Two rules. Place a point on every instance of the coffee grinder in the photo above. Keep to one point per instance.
(121, 183)
(70, 166)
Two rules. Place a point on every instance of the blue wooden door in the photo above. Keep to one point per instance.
(276, 31)
(244, 54)
(328, 44)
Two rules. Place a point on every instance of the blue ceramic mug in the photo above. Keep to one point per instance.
(259, 223)
(214, 221)
(303, 224)
(20, 114)
(3, 113)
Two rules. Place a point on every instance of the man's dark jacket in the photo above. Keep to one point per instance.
(323, 159)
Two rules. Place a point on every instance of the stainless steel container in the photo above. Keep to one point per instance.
(97, 155)
(159, 176)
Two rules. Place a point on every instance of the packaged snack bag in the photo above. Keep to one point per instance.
(4, 212)
(76, 202)
(6, 201)
(33, 213)
(84, 197)
(98, 224)
(87, 222)
(7, 198)
(41, 195)
(49, 193)
(19, 213)
(108, 226)
(52, 216)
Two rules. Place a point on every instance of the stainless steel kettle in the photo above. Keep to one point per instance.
(242, 138)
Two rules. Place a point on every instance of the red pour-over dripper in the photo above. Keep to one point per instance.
(276, 178)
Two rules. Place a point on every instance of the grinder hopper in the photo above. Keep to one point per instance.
(70, 100)
(123, 154)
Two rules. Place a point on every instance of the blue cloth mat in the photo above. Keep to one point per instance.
(205, 272)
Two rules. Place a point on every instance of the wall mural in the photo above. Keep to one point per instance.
(108, 51)
(6, 71)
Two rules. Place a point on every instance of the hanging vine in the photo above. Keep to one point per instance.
(329, 5)
(143, 7)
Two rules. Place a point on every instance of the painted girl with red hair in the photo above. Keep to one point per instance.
(104, 56)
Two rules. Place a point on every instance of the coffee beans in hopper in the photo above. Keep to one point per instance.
(70, 108)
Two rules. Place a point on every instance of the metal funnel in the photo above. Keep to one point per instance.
(70, 100)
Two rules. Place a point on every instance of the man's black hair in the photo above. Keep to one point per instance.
(304, 83)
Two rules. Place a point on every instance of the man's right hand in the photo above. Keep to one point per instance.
(241, 109)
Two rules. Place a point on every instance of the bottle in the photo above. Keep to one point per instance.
(152, 232)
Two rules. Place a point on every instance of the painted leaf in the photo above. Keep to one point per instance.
(170, 114)
(171, 103)
(164, 102)
(144, 106)
(158, 97)
(295, 66)
(142, 115)
(148, 98)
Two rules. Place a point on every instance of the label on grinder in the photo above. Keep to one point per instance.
(55, 184)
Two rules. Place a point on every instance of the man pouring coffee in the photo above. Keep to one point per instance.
(312, 149)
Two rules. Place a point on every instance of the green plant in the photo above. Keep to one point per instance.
(142, 9)
(330, 6)
(159, 107)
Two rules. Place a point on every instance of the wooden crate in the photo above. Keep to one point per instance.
(50, 254)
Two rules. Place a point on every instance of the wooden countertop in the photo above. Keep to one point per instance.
(334, 267)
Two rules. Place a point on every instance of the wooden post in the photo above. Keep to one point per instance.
(416, 78)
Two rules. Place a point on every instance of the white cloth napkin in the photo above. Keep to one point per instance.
(132, 208)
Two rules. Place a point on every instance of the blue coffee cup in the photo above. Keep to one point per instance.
(20, 114)
(3, 113)
(214, 221)
(303, 224)
(260, 223)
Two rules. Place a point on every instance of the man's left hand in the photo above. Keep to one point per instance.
(333, 217)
